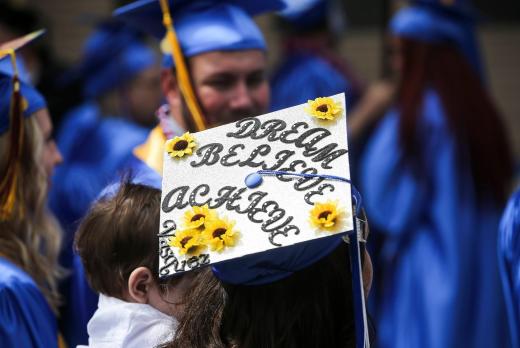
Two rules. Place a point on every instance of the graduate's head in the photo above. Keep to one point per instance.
(225, 54)
(121, 72)
(28, 151)
(117, 243)
(435, 23)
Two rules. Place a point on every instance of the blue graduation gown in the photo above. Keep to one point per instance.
(26, 320)
(439, 283)
(303, 76)
(509, 261)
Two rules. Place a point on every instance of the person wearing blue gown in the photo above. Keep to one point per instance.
(434, 177)
(509, 261)
(121, 77)
(30, 237)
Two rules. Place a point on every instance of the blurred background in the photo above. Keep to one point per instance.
(70, 22)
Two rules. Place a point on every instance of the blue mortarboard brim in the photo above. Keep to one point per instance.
(268, 267)
(33, 100)
(203, 26)
(434, 23)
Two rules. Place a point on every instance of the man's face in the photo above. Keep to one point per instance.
(230, 85)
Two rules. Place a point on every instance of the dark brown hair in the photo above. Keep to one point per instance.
(311, 308)
(119, 234)
(470, 113)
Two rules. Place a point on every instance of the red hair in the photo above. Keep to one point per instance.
(471, 115)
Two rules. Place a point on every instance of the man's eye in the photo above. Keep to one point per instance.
(221, 83)
(255, 80)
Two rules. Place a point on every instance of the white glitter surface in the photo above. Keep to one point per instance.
(283, 195)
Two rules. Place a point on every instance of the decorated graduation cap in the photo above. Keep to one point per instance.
(262, 198)
(113, 54)
(438, 21)
(17, 101)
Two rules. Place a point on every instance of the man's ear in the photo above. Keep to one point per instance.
(170, 87)
(139, 284)
(172, 94)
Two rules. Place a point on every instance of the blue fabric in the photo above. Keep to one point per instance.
(305, 14)
(34, 100)
(26, 320)
(509, 260)
(434, 23)
(112, 55)
(314, 77)
(203, 26)
(140, 173)
(440, 285)
(95, 150)
(276, 264)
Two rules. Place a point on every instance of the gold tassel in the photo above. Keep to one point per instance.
(183, 76)
(8, 185)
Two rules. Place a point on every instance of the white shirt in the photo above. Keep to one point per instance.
(118, 324)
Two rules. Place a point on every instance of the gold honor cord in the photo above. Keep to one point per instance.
(8, 184)
(182, 72)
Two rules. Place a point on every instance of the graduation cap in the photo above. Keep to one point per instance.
(438, 21)
(262, 198)
(17, 101)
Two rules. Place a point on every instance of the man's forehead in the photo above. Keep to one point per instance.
(228, 62)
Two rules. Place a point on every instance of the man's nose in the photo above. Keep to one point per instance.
(241, 98)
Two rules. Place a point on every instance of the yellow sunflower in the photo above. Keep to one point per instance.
(188, 242)
(219, 234)
(324, 108)
(197, 217)
(180, 146)
(327, 216)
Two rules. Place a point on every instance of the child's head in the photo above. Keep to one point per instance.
(117, 242)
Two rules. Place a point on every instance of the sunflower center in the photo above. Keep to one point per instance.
(324, 214)
(180, 145)
(219, 232)
(185, 240)
(197, 217)
(323, 108)
(192, 249)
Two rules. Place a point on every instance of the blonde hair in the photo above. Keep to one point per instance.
(31, 237)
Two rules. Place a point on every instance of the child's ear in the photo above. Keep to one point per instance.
(139, 284)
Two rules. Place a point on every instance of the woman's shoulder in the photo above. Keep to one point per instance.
(12, 275)
(26, 320)
(18, 288)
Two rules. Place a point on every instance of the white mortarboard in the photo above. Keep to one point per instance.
(261, 198)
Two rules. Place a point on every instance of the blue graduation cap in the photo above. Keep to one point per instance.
(437, 21)
(10, 71)
(113, 54)
(203, 26)
(17, 101)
